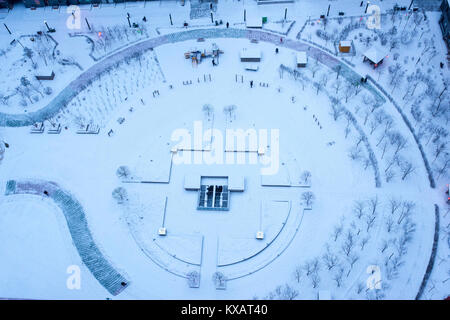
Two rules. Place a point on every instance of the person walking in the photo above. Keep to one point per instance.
(251, 83)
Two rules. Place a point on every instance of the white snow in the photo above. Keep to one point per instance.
(315, 119)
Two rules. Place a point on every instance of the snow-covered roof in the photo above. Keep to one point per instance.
(345, 43)
(247, 53)
(254, 22)
(375, 54)
(192, 182)
(236, 183)
(301, 57)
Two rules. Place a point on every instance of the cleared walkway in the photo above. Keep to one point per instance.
(90, 254)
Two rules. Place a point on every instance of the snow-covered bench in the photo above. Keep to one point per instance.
(37, 128)
(89, 129)
(55, 129)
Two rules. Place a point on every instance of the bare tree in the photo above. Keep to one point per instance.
(389, 174)
(219, 279)
(396, 74)
(337, 231)
(388, 124)
(384, 245)
(308, 267)
(314, 67)
(406, 168)
(444, 167)
(338, 276)
(315, 263)
(359, 208)
(349, 90)
(398, 141)
(285, 292)
(352, 259)
(337, 111)
(391, 162)
(360, 139)
(298, 273)
(306, 177)
(360, 287)
(208, 110)
(120, 195)
(318, 86)
(308, 197)
(123, 172)
(384, 147)
(355, 153)
(230, 111)
(394, 205)
(438, 149)
(330, 259)
(28, 53)
(288, 293)
(349, 243)
(2, 149)
(363, 242)
(315, 280)
(337, 85)
(370, 220)
(373, 205)
(193, 278)
(407, 209)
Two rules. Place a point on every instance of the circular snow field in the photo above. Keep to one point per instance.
(164, 142)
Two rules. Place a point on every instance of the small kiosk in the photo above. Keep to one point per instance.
(302, 59)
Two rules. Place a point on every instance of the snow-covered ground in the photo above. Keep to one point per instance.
(373, 156)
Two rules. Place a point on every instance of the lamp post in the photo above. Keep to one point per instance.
(46, 24)
(87, 22)
(7, 28)
(128, 18)
(368, 2)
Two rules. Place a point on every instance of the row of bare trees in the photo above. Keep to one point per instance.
(345, 255)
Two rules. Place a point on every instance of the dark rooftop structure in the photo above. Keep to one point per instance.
(444, 22)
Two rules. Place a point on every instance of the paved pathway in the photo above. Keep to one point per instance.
(87, 77)
(90, 254)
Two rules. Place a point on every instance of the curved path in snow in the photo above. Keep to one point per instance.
(90, 254)
(76, 221)
(87, 77)
(433, 254)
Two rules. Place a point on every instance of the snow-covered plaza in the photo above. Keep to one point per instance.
(224, 150)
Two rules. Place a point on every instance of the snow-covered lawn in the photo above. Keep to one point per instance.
(163, 118)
